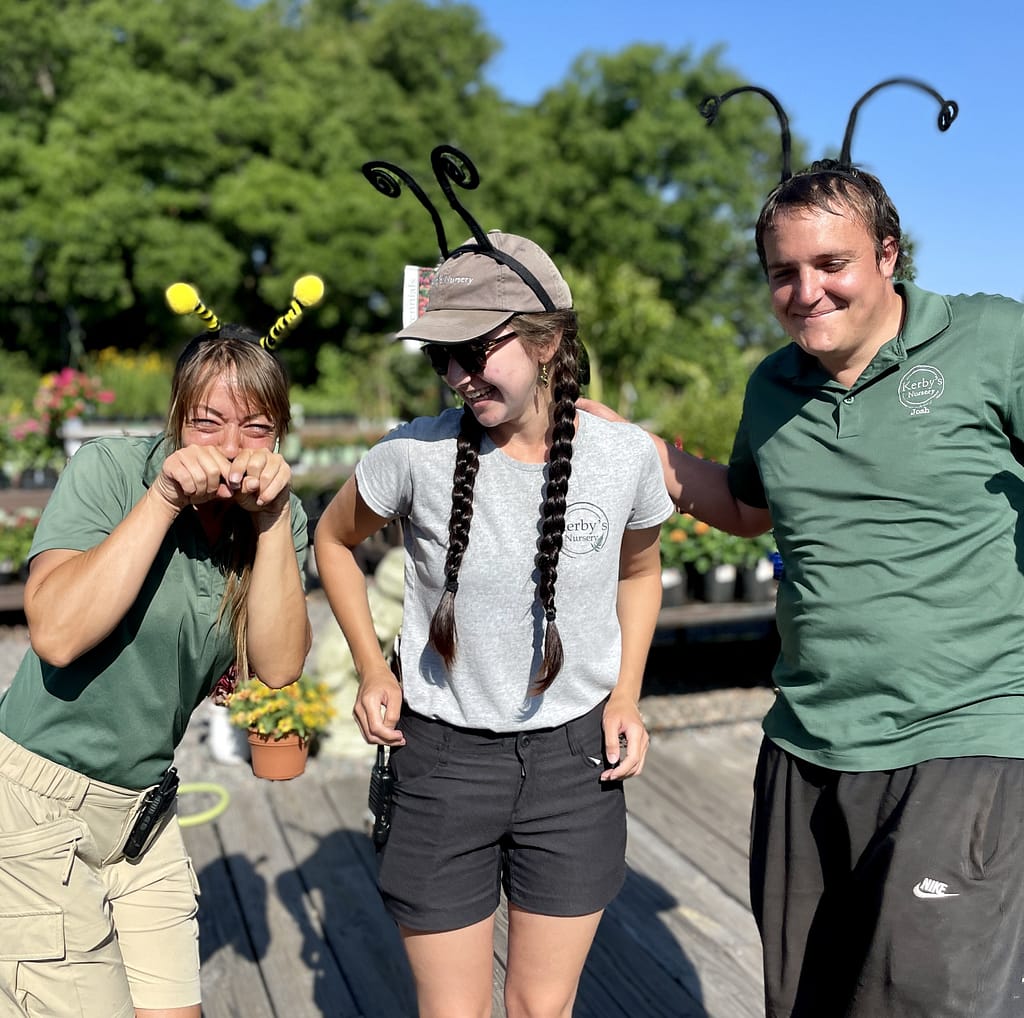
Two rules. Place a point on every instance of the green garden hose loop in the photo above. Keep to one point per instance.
(209, 788)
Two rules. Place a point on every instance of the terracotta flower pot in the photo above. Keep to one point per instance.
(277, 759)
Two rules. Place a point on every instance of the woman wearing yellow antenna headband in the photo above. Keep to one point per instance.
(159, 567)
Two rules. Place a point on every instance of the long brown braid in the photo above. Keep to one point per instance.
(535, 330)
(565, 390)
(443, 634)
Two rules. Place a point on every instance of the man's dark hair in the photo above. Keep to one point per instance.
(829, 186)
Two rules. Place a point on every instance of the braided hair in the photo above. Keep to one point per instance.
(443, 636)
(535, 330)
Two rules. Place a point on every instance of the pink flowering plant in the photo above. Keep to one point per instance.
(35, 440)
(25, 444)
(68, 393)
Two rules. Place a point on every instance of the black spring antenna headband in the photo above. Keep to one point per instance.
(948, 110)
(448, 164)
(451, 166)
(947, 114)
(713, 103)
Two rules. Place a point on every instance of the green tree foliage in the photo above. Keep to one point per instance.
(657, 211)
(221, 143)
(198, 139)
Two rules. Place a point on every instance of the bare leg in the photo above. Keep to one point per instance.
(453, 970)
(545, 958)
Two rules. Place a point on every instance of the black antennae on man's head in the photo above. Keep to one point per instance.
(948, 111)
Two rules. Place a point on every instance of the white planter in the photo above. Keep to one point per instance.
(228, 744)
(673, 587)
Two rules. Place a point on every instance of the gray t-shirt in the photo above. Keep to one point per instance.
(616, 484)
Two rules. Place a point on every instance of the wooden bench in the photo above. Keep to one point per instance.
(12, 499)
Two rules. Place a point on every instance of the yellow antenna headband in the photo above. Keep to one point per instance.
(184, 300)
(308, 291)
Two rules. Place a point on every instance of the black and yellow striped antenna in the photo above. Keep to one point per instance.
(183, 299)
(307, 292)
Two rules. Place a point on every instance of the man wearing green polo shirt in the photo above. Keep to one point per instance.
(883, 445)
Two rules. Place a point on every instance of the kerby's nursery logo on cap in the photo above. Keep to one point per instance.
(477, 289)
(919, 386)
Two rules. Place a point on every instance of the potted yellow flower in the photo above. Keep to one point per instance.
(281, 723)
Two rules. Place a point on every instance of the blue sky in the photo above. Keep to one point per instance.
(959, 193)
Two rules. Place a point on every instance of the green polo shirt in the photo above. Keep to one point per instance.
(897, 507)
(118, 711)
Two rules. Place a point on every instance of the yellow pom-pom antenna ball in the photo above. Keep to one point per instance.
(307, 292)
(183, 299)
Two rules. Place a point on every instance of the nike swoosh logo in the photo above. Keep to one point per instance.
(919, 893)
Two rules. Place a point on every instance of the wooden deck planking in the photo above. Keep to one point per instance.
(696, 792)
(337, 868)
(231, 977)
(300, 976)
(620, 979)
(705, 932)
(291, 922)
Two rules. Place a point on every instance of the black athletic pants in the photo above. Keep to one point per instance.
(890, 894)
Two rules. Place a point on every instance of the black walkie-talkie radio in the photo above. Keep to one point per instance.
(381, 787)
(157, 802)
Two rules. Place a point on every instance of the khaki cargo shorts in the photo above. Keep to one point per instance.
(84, 932)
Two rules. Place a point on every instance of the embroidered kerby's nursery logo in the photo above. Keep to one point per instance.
(586, 529)
(920, 385)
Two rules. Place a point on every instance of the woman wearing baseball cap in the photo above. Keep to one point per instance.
(532, 589)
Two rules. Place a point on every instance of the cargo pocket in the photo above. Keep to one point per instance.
(46, 907)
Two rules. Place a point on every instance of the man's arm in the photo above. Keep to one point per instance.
(700, 487)
(697, 486)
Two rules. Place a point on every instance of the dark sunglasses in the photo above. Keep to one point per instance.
(471, 357)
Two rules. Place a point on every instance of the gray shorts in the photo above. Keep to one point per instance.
(475, 812)
(84, 931)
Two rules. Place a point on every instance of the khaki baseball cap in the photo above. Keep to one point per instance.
(474, 292)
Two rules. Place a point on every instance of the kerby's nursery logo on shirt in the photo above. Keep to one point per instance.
(920, 385)
(586, 529)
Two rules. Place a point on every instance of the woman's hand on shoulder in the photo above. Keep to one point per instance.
(378, 706)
